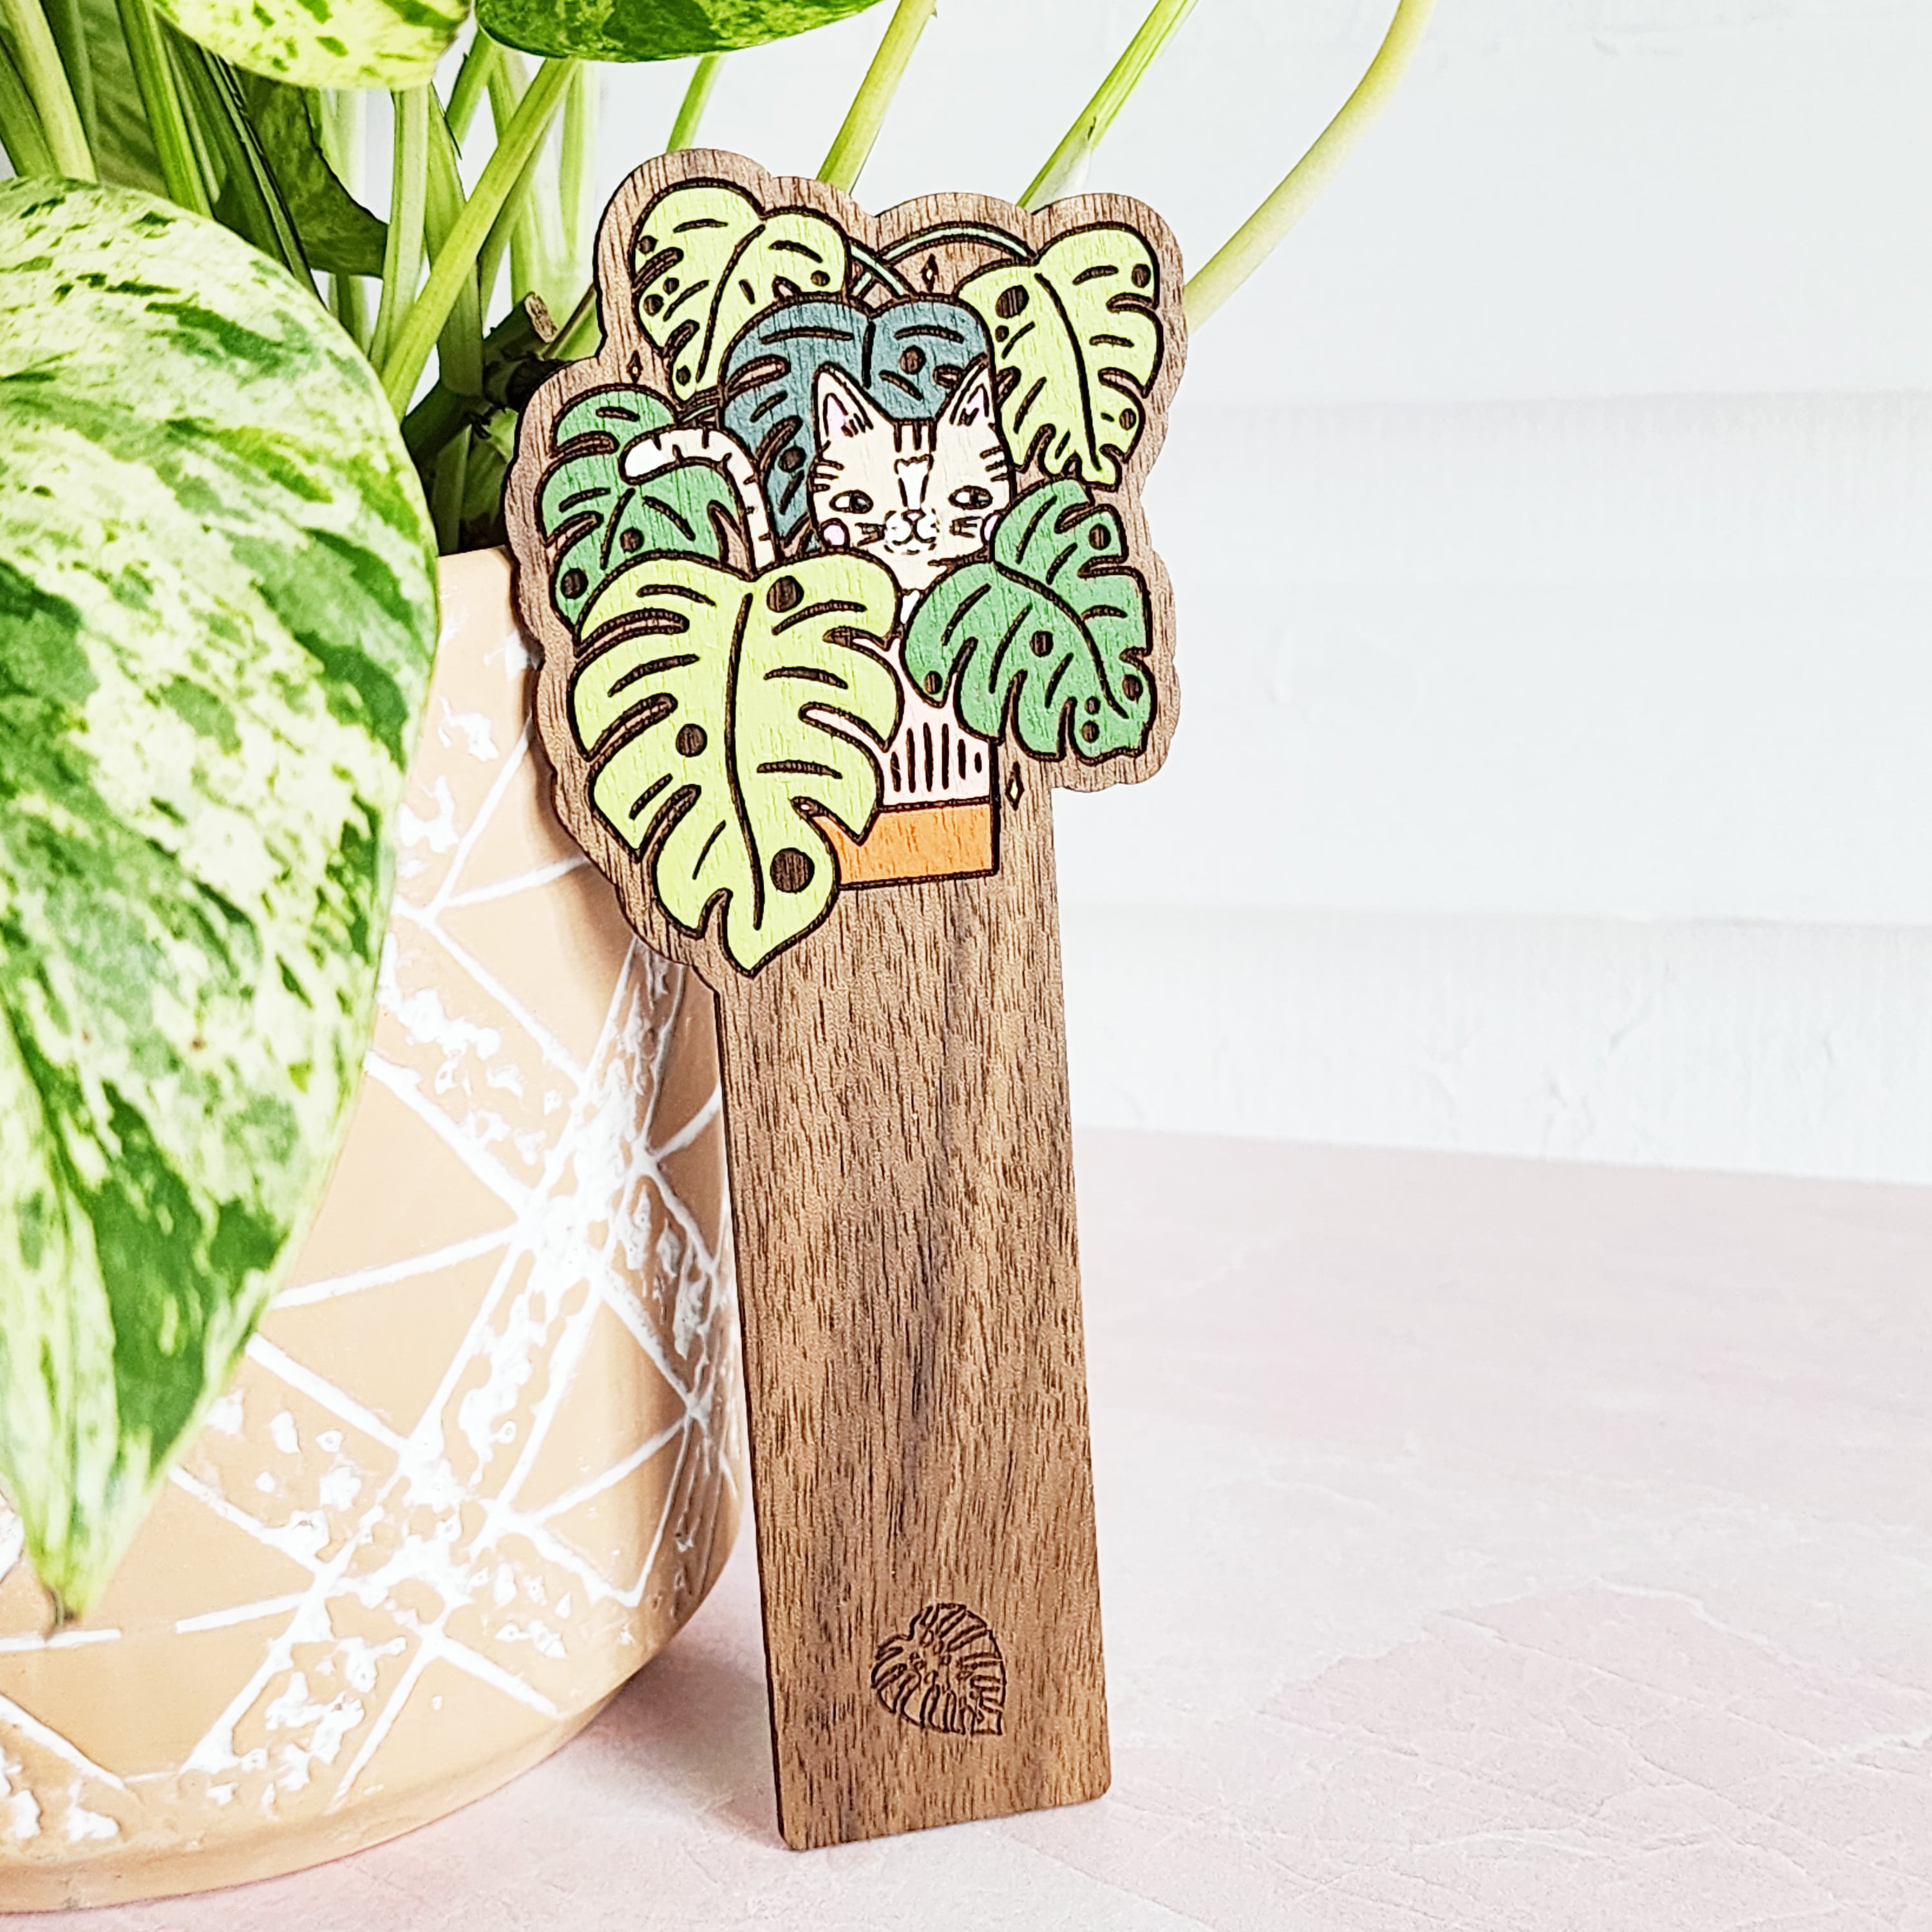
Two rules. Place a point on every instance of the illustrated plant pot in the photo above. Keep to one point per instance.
(483, 1459)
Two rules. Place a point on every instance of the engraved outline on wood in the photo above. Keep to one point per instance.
(944, 1672)
(1071, 316)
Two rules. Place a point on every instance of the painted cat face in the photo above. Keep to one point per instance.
(917, 496)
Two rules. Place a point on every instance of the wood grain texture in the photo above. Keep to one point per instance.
(896, 1111)
(895, 1083)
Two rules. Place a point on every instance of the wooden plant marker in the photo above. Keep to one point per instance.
(835, 556)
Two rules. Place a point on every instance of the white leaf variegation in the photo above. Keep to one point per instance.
(391, 43)
(217, 621)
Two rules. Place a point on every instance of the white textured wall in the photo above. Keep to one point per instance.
(1552, 524)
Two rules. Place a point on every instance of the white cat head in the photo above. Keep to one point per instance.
(918, 496)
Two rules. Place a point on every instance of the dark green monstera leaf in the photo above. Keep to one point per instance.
(218, 615)
(596, 522)
(1050, 635)
(654, 30)
(907, 357)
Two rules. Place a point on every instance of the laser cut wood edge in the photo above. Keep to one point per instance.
(704, 952)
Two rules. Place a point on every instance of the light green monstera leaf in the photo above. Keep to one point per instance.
(1077, 347)
(722, 717)
(1050, 635)
(651, 30)
(325, 43)
(707, 262)
(217, 616)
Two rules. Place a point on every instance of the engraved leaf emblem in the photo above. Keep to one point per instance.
(723, 715)
(945, 1673)
(1048, 638)
(708, 261)
(1077, 344)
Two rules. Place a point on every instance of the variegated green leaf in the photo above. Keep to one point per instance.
(654, 30)
(217, 619)
(325, 43)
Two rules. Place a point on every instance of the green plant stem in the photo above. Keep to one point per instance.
(71, 37)
(510, 234)
(341, 130)
(696, 97)
(38, 57)
(159, 87)
(341, 127)
(863, 119)
(576, 168)
(1065, 167)
(26, 147)
(524, 232)
(1256, 239)
(451, 473)
(402, 255)
(472, 78)
(581, 333)
(459, 348)
(350, 307)
(402, 367)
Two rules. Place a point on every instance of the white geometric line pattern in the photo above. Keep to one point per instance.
(481, 1461)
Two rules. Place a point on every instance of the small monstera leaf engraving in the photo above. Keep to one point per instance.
(596, 521)
(907, 357)
(1077, 346)
(722, 714)
(945, 1673)
(707, 261)
(1051, 632)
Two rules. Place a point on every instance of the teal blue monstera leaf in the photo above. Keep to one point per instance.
(1049, 637)
(908, 357)
(217, 616)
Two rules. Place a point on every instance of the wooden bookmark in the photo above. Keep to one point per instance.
(836, 556)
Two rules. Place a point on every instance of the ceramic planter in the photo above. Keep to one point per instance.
(482, 1460)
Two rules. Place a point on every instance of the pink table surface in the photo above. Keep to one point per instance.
(1485, 1545)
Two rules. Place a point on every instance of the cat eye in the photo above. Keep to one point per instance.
(971, 498)
(854, 502)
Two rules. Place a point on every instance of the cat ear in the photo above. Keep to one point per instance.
(971, 401)
(839, 407)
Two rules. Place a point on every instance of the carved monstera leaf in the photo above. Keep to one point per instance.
(707, 262)
(907, 357)
(722, 714)
(596, 521)
(1051, 633)
(1077, 346)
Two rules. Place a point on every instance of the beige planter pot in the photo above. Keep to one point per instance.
(482, 1460)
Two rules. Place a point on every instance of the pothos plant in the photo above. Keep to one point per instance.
(241, 412)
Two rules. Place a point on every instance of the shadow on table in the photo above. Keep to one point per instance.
(693, 1727)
